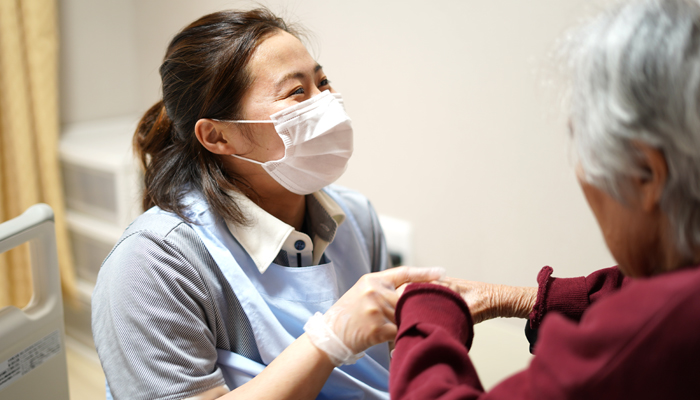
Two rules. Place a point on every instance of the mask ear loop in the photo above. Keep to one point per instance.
(247, 159)
(245, 121)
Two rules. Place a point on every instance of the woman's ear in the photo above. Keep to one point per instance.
(651, 186)
(215, 136)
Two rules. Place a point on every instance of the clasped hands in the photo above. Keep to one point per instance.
(364, 315)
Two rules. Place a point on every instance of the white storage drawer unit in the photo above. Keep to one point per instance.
(100, 173)
(102, 185)
(91, 241)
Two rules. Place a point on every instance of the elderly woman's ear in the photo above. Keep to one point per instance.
(649, 187)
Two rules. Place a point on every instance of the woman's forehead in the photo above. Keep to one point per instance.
(280, 57)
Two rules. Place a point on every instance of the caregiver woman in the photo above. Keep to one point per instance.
(630, 332)
(244, 246)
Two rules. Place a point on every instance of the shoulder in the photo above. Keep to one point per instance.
(158, 249)
(154, 231)
(648, 330)
(657, 296)
(362, 216)
(154, 222)
(357, 208)
(166, 229)
(649, 307)
(351, 200)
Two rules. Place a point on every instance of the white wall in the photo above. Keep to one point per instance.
(98, 76)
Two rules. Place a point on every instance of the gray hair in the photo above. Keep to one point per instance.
(635, 77)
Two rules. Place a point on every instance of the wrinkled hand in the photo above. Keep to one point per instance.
(487, 300)
(364, 315)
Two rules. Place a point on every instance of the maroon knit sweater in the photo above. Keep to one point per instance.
(601, 337)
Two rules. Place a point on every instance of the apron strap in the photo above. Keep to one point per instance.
(357, 211)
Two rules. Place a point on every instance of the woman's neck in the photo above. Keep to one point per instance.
(288, 207)
(269, 195)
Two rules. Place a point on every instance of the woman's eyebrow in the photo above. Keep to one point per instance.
(295, 75)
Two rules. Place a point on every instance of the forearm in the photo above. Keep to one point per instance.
(487, 301)
(514, 301)
(299, 372)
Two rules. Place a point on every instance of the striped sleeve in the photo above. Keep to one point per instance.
(152, 317)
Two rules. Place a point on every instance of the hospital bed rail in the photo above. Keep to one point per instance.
(32, 340)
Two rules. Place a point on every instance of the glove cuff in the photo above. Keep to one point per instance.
(323, 337)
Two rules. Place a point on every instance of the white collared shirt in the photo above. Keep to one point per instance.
(267, 239)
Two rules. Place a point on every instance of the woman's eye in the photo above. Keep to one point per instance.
(324, 82)
(299, 90)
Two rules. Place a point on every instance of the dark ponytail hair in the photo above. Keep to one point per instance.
(204, 75)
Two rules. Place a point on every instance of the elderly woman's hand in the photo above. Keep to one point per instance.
(487, 300)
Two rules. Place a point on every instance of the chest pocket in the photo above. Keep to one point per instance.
(295, 294)
(308, 285)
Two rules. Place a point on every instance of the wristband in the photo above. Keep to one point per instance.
(323, 337)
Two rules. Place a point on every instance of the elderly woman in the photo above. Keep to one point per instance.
(630, 332)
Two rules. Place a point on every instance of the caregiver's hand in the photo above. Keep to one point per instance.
(364, 316)
(487, 300)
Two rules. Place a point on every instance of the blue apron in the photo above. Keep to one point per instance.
(281, 300)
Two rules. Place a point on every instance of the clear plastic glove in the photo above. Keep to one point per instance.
(487, 300)
(364, 315)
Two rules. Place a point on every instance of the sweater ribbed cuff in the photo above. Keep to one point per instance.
(568, 296)
(437, 305)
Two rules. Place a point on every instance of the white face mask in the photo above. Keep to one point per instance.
(317, 137)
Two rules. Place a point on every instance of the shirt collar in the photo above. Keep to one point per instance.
(265, 236)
